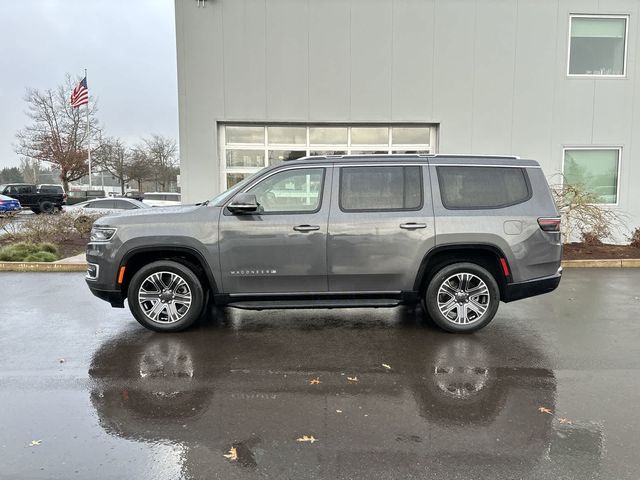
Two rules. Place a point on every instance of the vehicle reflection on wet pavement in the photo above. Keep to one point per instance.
(528, 397)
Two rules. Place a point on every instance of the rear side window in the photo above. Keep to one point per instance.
(463, 187)
(380, 188)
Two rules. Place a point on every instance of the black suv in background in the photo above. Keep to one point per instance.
(39, 198)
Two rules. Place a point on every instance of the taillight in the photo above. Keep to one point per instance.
(549, 224)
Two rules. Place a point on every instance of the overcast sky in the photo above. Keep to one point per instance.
(127, 46)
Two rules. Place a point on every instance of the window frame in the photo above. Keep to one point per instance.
(618, 148)
(370, 210)
(625, 17)
(275, 172)
(523, 170)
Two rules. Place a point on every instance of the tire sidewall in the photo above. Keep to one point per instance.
(47, 207)
(431, 297)
(195, 285)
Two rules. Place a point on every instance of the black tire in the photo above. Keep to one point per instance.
(47, 207)
(193, 283)
(490, 300)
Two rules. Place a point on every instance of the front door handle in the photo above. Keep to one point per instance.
(413, 225)
(306, 228)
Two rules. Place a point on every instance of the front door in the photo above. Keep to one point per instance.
(380, 228)
(282, 248)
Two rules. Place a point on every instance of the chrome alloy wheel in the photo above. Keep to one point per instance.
(164, 297)
(463, 298)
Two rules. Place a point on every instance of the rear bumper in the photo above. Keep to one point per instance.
(531, 288)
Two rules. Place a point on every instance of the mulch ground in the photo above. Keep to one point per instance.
(69, 248)
(580, 251)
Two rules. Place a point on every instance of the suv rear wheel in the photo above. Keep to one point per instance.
(462, 297)
(165, 296)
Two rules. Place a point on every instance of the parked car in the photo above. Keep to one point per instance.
(105, 206)
(9, 206)
(31, 197)
(53, 188)
(136, 195)
(162, 199)
(79, 196)
(455, 233)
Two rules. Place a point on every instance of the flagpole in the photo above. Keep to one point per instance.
(88, 138)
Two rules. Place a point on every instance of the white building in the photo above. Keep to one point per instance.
(261, 81)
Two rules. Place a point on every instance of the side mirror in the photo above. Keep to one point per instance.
(243, 203)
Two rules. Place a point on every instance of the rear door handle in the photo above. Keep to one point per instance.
(306, 228)
(413, 225)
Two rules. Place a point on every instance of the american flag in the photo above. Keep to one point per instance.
(80, 94)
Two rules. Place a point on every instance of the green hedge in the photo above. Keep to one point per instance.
(29, 252)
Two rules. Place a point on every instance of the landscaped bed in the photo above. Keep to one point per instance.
(62, 235)
(582, 251)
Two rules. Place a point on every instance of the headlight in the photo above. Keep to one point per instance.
(101, 234)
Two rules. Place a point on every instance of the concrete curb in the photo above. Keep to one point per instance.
(42, 267)
(609, 263)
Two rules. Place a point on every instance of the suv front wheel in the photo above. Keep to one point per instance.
(165, 296)
(462, 297)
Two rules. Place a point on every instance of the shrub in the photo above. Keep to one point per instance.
(52, 229)
(28, 252)
(41, 257)
(634, 238)
(583, 217)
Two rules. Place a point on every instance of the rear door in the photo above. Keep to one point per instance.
(380, 226)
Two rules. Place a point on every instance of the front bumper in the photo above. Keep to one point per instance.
(114, 297)
(531, 288)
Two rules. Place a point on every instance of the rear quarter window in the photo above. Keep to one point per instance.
(467, 187)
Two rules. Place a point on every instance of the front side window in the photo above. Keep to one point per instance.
(380, 188)
(290, 191)
(597, 45)
(464, 187)
(595, 170)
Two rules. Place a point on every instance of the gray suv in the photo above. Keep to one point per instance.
(455, 233)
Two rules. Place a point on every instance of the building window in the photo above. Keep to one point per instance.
(595, 169)
(246, 148)
(598, 45)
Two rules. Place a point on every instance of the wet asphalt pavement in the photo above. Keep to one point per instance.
(104, 398)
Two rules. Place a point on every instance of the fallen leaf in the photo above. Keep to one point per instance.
(232, 455)
(545, 410)
(352, 379)
(61, 360)
(386, 366)
(314, 381)
(564, 421)
(35, 443)
(307, 438)
(338, 411)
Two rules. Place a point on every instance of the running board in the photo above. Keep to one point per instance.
(317, 303)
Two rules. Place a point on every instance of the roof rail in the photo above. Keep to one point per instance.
(476, 155)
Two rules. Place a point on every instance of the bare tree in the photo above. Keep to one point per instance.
(138, 167)
(57, 133)
(161, 152)
(114, 157)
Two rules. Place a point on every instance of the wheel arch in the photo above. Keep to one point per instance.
(486, 255)
(137, 257)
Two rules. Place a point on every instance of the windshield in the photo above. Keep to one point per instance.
(227, 194)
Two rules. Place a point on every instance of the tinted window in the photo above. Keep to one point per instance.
(298, 190)
(100, 204)
(482, 187)
(380, 188)
(124, 205)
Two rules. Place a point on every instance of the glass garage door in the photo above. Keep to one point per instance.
(246, 148)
